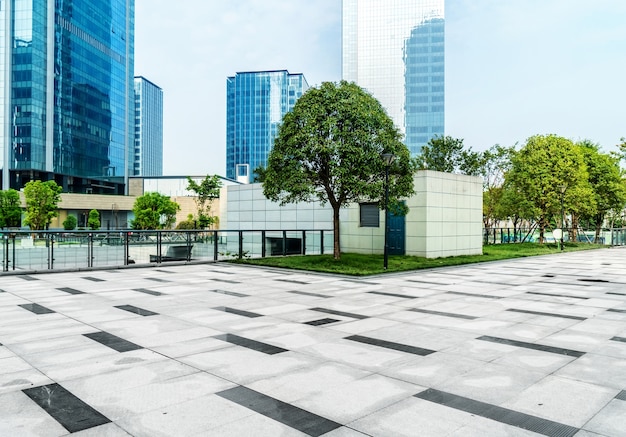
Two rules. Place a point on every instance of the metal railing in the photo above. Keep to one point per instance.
(614, 237)
(33, 251)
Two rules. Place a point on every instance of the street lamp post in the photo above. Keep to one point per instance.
(388, 158)
(562, 189)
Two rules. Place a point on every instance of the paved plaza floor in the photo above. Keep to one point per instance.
(526, 347)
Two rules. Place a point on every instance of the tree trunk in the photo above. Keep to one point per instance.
(573, 234)
(336, 245)
(599, 221)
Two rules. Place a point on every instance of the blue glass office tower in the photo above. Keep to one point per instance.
(255, 105)
(148, 157)
(66, 93)
(395, 50)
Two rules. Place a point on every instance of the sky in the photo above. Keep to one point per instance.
(514, 68)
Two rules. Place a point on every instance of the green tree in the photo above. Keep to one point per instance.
(206, 191)
(449, 155)
(495, 162)
(190, 223)
(93, 221)
(42, 199)
(10, 208)
(547, 169)
(69, 224)
(154, 211)
(329, 149)
(605, 178)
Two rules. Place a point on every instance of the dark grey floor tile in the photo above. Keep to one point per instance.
(292, 281)
(93, 279)
(486, 296)
(72, 413)
(321, 322)
(306, 293)
(227, 281)
(340, 313)
(113, 341)
(158, 280)
(538, 347)
(556, 295)
(28, 278)
(145, 290)
(615, 310)
(136, 310)
(382, 293)
(36, 308)
(294, 417)
(250, 344)
(622, 339)
(444, 314)
(238, 312)
(499, 414)
(540, 313)
(391, 345)
(621, 395)
(229, 293)
(70, 290)
(615, 293)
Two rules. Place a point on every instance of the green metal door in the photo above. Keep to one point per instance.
(397, 234)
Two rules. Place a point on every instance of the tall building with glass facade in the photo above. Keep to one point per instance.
(148, 156)
(66, 93)
(395, 50)
(255, 105)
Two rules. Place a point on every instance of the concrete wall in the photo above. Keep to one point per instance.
(445, 217)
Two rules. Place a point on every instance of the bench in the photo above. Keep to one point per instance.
(174, 253)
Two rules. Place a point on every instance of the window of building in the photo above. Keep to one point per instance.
(369, 216)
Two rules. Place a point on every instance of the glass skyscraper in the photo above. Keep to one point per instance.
(255, 105)
(66, 93)
(148, 157)
(395, 50)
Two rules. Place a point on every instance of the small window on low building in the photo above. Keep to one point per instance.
(369, 215)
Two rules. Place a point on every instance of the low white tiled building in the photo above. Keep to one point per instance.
(444, 219)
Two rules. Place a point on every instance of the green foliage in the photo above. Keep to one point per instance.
(605, 178)
(329, 149)
(154, 211)
(93, 221)
(10, 208)
(449, 155)
(42, 199)
(206, 191)
(69, 224)
(190, 223)
(549, 170)
(495, 162)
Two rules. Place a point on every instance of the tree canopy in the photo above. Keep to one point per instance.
(10, 208)
(207, 190)
(154, 211)
(93, 221)
(449, 155)
(42, 199)
(329, 149)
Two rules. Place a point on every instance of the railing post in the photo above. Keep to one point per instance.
(263, 248)
(240, 244)
(159, 247)
(14, 236)
(322, 242)
(284, 243)
(51, 252)
(90, 250)
(189, 245)
(126, 248)
(303, 243)
(215, 245)
(5, 249)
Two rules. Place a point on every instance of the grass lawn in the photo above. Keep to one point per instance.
(361, 265)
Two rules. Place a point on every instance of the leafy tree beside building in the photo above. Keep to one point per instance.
(93, 221)
(329, 149)
(10, 208)
(206, 191)
(154, 211)
(42, 199)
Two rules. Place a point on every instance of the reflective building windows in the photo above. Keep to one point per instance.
(70, 74)
(148, 145)
(255, 105)
(395, 50)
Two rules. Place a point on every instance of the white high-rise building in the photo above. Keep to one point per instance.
(148, 153)
(395, 50)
